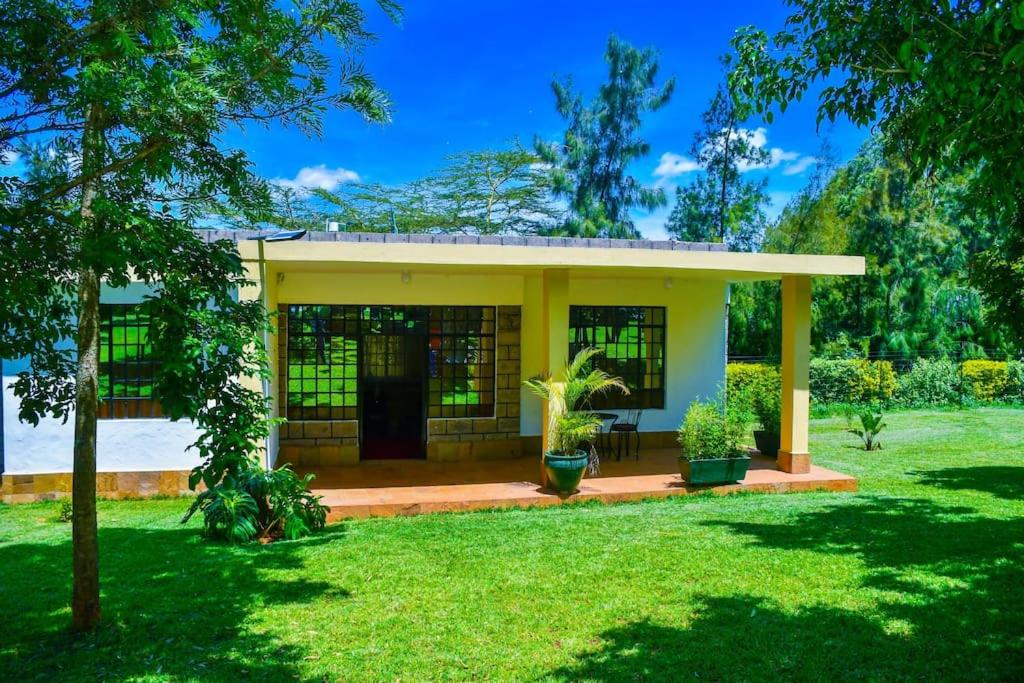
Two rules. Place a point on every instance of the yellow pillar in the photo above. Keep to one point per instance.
(796, 353)
(555, 334)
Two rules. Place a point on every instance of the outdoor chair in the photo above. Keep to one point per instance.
(627, 433)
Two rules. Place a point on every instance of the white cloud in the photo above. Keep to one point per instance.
(652, 225)
(800, 165)
(671, 165)
(793, 163)
(319, 177)
(9, 158)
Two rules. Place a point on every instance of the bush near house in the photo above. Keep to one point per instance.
(929, 382)
(985, 380)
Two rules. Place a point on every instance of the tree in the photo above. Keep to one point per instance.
(720, 205)
(485, 193)
(120, 108)
(589, 167)
(944, 81)
(918, 240)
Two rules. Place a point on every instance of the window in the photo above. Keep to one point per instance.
(127, 369)
(633, 342)
(326, 345)
(461, 361)
(323, 362)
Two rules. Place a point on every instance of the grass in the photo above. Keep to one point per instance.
(918, 576)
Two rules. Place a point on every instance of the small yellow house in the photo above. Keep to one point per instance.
(415, 347)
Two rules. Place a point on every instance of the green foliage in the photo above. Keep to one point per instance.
(870, 426)
(919, 239)
(928, 383)
(66, 511)
(851, 381)
(714, 429)
(568, 424)
(986, 380)
(945, 84)
(589, 166)
(256, 503)
(759, 387)
(719, 204)
(1015, 381)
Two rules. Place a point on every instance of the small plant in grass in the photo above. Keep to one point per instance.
(870, 426)
(256, 503)
(66, 510)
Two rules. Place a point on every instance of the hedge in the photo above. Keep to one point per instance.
(927, 383)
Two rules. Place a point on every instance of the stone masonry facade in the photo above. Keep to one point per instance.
(329, 443)
(487, 438)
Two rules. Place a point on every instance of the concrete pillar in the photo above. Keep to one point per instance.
(796, 354)
(555, 334)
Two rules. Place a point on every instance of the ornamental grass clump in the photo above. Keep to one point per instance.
(715, 429)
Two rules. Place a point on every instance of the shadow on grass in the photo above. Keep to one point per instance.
(948, 603)
(999, 480)
(174, 606)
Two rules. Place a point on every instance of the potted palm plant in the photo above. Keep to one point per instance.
(767, 407)
(569, 428)
(711, 437)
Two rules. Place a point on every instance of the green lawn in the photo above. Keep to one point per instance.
(918, 576)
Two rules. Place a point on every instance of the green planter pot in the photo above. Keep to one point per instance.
(565, 472)
(767, 443)
(714, 471)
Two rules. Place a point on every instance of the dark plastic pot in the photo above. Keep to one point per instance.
(714, 471)
(565, 472)
(767, 443)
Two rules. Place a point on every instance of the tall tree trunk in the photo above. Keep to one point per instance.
(85, 601)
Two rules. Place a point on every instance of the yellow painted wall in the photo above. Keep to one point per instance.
(695, 319)
(694, 335)
(388, 288)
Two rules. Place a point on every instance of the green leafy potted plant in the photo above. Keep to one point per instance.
(767, 408)
(711, 437)
(568, 426)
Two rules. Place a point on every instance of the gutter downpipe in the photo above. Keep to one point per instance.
(266, 349)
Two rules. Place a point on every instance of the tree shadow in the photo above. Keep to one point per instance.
(174, 606)
(1003, 481)
(947, 605)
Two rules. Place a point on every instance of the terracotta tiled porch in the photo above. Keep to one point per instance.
(409, 487)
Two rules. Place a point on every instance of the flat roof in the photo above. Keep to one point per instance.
(582, 257)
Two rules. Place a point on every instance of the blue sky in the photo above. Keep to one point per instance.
(469, 75)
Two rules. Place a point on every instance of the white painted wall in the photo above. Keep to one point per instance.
(122, 445)
(694, 338)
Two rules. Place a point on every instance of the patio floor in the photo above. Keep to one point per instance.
(408, 487)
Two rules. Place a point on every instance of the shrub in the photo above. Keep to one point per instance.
(832, 380)
(986, 380)
(714, 429)
(876, 381)
(740, 377)
(257, 503)
(852, 381)
(929, 383)
(1015, 381)
(67, 511)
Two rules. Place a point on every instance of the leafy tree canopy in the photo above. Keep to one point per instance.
(119, 107)
(945, 82)
(720, 205)
(589, 166)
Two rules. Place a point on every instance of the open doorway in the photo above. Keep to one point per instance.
(393, 393)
